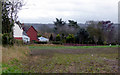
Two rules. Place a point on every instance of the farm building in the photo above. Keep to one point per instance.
(17, 32)
(25, 33)
(31, 32)
(43, 39)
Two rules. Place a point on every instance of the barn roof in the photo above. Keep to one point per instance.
(32, 27)
(27, 27)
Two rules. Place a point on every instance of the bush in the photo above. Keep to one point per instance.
(40, 42)
(113, 43)
(70, 38)
(38, 35)
(0, 39)
(91, 40)
(7, 40)
(57, 42)
(58, 37)
(100, 41)
(105, 43)
(63, 40)
(18, 42)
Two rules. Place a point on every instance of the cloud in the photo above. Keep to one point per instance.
(80, 10)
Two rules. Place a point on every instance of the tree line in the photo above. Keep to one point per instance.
(96, 32)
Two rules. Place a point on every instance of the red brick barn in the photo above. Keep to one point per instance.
(32, 33)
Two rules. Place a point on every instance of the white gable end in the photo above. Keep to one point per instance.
(17, 32)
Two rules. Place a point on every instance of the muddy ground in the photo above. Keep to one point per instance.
(92, 60)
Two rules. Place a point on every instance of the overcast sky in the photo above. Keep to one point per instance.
(45, 11)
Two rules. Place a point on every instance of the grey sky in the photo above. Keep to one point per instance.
(45, 11)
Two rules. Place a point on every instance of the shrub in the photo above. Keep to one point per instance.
(18, 42)
(105, 43)
(58, 37)
(40, 42)
(56, 42)
(38, 35)
(113, 43)
(0, 39)
(7, 40)
(70, 38)
(100, 41)
(91, 40)
(63, 40)
(76, 39)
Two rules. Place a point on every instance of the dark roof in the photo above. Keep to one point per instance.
(24, 33)
(32, 27)
(27, 27)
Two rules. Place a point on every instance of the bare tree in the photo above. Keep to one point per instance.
(10, 10)
(103, 29)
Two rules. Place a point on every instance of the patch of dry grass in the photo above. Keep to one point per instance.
(12, 58)
(0, 59)
(15, 52)
(0, 54)
(47, 45)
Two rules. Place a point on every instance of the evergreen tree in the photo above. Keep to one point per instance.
(51, 37)
(83, 36)
(59, 26)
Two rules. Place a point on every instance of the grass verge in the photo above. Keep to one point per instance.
(67, 47)
(12, 57)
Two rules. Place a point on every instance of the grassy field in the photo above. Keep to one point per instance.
(67, 47)
(60, 59)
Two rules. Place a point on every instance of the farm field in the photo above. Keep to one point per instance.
(61, 59)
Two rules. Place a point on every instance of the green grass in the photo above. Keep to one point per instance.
(0, 68)
(69, 47)
(14, 66)
(10, 69)
(73, 63)
(12, 59)
(89, 59)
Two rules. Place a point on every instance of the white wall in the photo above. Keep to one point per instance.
(17, 32)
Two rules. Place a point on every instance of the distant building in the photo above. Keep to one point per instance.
(31, 32)
(25, 33)
(17, 32)
(43, 39)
